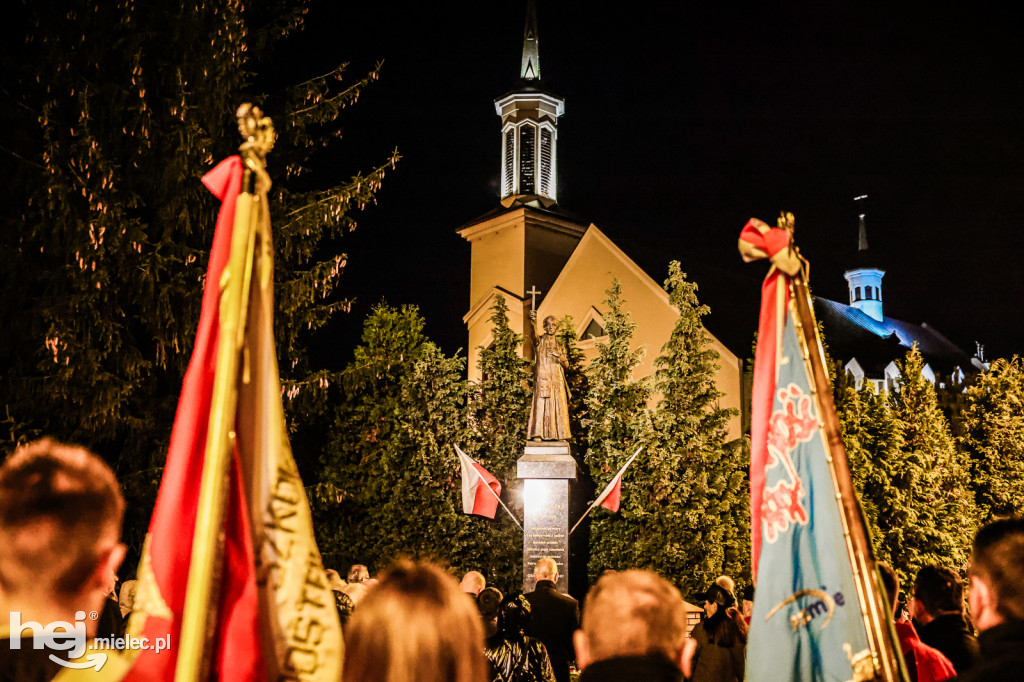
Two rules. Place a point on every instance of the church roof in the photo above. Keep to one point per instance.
(555, 210)
(849, 333)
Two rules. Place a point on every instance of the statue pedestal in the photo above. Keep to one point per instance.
(546, 468)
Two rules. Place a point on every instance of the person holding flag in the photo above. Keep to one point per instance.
(820, 612)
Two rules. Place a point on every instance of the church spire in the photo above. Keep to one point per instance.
(862, 230)
(865, 282)
(529, 130)
(531, 50)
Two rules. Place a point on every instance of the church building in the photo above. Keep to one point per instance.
(543, 258)
(866, 343)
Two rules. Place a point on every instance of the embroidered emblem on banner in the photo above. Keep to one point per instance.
(793, 423)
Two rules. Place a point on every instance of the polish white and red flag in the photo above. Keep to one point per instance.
(612, 494)
(480, 490)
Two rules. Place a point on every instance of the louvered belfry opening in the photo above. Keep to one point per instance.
(509, 170)
(527, 152)
(547, 187)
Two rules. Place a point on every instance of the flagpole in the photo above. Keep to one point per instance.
(875, 612)
(498, 497)
(621, 471)
(207, 542)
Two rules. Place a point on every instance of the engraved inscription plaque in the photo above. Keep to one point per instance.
(546, 469)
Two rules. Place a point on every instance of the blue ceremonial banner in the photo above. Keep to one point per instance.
(807, 623)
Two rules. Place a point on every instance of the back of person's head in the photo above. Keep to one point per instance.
(632, 613)
(357, 574)
(416, 625)
(546, 569)
(891, 581)
(720, 596)
(997, 561)
(939, 590)
(727, 584)
(473, 582)
(61, 511)
(514, 616)
(725, 625)
(488, 602)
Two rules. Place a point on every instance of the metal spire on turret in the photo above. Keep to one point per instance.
(862, 230)
(531, 51)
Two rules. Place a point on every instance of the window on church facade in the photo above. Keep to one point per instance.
(527, 154)
(594, 330)
(867, 293)
(856, 293)
(546, 174)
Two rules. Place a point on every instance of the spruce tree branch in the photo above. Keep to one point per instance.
(20, 157)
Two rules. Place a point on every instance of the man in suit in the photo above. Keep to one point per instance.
(555, 617)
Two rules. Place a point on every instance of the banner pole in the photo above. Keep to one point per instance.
(888, 662)
(594, 504)
(207, 540)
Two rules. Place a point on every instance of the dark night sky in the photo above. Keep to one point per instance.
(681, 122)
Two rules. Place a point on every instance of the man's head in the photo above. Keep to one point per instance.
(937, 590)
(473, 582)
(997, 574)
(60, 527)
(632, 613)
(357, 574)
(550, 324)
(546, 569)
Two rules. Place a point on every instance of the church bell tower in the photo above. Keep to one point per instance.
(865, 282)
(529, 129)
(519, 248)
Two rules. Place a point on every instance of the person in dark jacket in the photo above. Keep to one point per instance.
(716, 649)
(514, 656)
(997, 601)
(634, 627)
(938, 610)
(555, 617)
(924, 663)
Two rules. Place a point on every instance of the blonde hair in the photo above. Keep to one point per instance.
(634, 613)
(546, 569)
(415, 626)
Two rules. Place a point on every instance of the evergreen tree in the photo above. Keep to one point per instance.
(942, 512)
(618, 422)
(882, 474)
(993, 438)
(501, 405)
(367, 414)
(391, 461)
(109, 230)
(698, 492)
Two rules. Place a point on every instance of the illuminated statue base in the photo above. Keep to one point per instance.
(546, 468)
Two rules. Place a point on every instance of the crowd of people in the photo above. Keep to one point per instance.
(61, 511)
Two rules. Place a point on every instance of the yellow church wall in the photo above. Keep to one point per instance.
(497, 257)
(512, 253)
(580, 290)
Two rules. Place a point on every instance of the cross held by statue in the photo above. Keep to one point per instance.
(533, 297)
